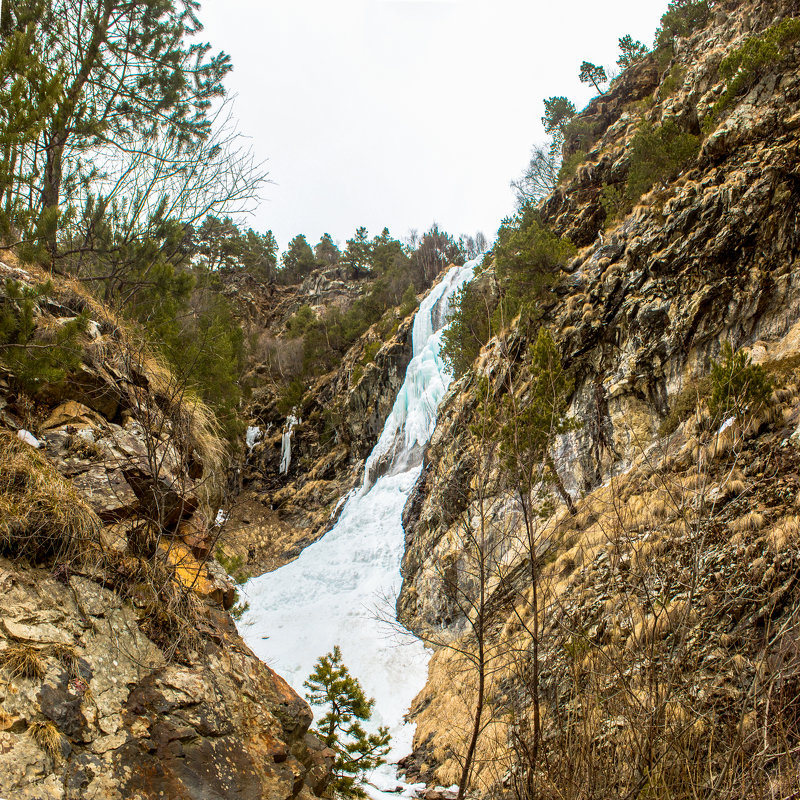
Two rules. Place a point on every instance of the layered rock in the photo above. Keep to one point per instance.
(123, 673)
(710, 258)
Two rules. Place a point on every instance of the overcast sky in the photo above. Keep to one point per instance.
(400, 112)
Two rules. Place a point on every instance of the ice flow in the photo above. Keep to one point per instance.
(331, 593)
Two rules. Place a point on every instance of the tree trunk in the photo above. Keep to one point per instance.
(476, 728)
(565, 495)
(6, 18)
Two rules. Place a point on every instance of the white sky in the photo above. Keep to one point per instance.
(401, 112)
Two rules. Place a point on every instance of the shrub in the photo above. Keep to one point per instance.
(37, 355)
(681, 18)
(370, 351)
(657, 155)
(291, 396)
(580, 134)
(614, 202)
(569, 166)
(470, 326)
(738, 387)
(745, 64)
(528, 258)
(673, 80)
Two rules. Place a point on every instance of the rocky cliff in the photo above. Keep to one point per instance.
(339, 420)
(122, 672)
(635, 644)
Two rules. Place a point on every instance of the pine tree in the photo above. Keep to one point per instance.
(331, 685)
(592, 73)
(298, 260)
(630, 51)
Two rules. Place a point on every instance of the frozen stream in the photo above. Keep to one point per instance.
(330, 594)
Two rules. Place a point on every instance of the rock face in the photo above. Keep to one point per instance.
(709, 258)
(123, 675)
(276, 515)
(130, 725)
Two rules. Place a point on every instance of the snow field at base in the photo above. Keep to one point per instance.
(342, 589)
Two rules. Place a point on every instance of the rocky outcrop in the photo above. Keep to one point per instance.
(123, 675)
(708, 258)
(124, 722)
(341, 418)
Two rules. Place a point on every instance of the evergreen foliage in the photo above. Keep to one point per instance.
(657, 154)
(528, 257)
(745, 64)
(357, 254)
(470, 327)
(223, 246)
(398, 276)
(681, 18)
(36, 358)
(531, 422)
(326, 252)
(594, 74)
(357, 752)
(558, 111)
(738, 387)
(298, 261)
(631, 51)
(128, 92)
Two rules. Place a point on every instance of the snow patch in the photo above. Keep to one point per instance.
(28, 438)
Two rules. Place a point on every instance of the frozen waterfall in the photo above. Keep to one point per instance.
(329, 595)
(286, 442)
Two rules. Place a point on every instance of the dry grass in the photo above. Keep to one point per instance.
(41, 515)
(786, 533)
(748, 523)
(68, 659)
(23, 661)
(48, 737)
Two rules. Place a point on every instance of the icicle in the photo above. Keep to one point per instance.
(254, 434)
(286, 442)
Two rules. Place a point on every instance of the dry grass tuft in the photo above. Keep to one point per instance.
(41, 515)
(752, 521)
(785, 534)
(68, 659)
(23, 661)
(48, 737)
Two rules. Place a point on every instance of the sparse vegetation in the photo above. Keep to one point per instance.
(42, 516)
(658, 154)
(47, 735)
(681, 19)
(738, 387)
(37, 357)
(683, 404)
(22, 660)
(744, 65)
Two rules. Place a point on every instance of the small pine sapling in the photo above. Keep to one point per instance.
(332, 686)
(738, 387)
